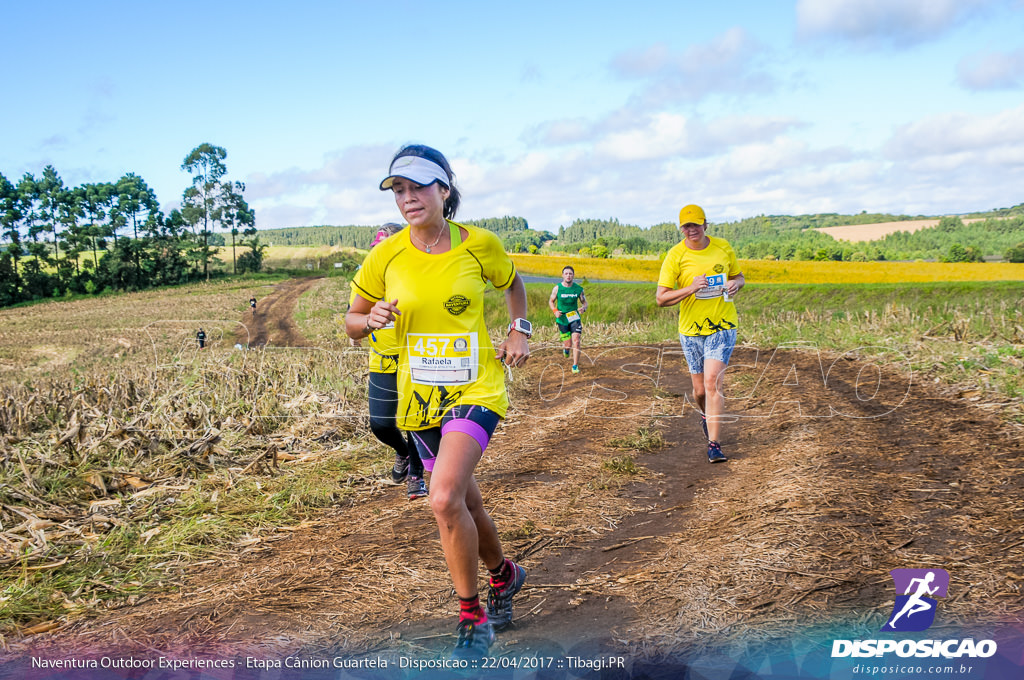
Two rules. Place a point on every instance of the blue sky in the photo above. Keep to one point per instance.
(548, 111)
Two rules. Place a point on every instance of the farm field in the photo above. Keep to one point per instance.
(857, 233)
(232, 502)
(786, 271)
(298, 257)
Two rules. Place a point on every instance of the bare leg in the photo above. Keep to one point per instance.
(714, 376)
(467, 532)
(575, 349)
(698, 391)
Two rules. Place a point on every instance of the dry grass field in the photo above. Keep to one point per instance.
(855, 233)
(159, 499)
(301, 257)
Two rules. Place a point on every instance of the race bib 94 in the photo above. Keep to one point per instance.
(442, 358)
(716, 286)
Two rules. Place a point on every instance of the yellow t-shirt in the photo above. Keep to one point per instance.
(704, 312)
(383, 355)
(445, 354)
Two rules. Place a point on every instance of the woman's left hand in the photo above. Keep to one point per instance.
(515, 350)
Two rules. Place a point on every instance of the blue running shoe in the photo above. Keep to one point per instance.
(704, 426)
(715, 454)
(475, 639)
(416, 487)
(499, 600)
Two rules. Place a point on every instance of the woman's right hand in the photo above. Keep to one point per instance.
(382, 313)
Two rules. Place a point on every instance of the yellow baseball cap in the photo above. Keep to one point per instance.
(692, 214)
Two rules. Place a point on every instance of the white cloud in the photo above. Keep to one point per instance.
(559, 132)
(353, 166)
(642, 63)
(268, 217)
(900, 22)
(666, 135)
(992, 71)
(727, 64)
(958, 135)
(638, 167)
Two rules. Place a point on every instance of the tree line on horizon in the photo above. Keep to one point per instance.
(795, 237)
(998, 235)
(57, 240)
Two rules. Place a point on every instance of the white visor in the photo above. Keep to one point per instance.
(415, 169)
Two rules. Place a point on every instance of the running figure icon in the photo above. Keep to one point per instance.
(915, 606)
(915, 603)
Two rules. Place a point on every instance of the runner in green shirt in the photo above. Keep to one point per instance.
(567, 302)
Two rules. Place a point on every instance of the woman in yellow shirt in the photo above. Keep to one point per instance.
(701, 274)
(429, 280)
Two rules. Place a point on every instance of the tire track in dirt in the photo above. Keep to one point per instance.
(273, 322)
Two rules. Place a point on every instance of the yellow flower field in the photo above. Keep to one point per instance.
(764, 271)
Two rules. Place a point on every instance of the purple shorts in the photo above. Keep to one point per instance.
(478, 422)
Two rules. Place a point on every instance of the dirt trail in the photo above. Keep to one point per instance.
(840, 469)
(273, 322)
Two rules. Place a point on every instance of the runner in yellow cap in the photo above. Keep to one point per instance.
(701, 275)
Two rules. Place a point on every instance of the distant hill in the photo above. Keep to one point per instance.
(826, 236)
(858, 233)
(359, 236)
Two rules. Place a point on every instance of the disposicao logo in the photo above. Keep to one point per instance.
(914, 610)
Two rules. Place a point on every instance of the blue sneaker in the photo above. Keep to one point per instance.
(715, 454)
(704, 426)
(499, 600)
(575, 369)
(475, 639)
(565, 352)
(416, 487)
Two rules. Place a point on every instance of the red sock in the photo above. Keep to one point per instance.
(501, 575)
(470, 609)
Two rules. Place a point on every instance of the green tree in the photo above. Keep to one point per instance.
(1014, 253)
(50, 192)
(236, 214)
(10, 223)
(28, 198)
(956, 253)
(96, 202)
(135, 204)
(252, 261)
(203, 201)
(973, 254)
(73, 236)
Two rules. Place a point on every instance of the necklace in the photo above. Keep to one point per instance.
(426, 245)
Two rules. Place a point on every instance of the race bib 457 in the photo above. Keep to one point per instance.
(442, 358)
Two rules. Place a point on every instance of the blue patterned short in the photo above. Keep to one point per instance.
(697, 348)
